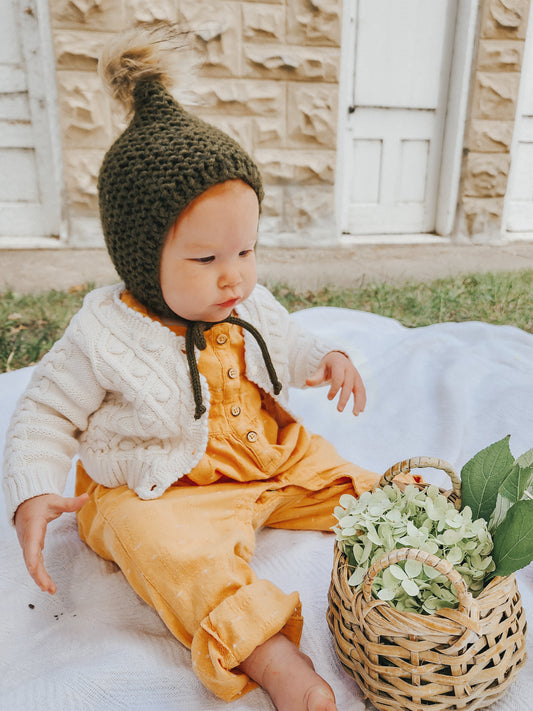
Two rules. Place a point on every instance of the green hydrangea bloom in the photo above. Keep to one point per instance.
(386, 519)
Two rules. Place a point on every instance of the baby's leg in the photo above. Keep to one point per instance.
(289, 677)
(187, 555)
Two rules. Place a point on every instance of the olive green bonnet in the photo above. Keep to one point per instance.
(164, 159)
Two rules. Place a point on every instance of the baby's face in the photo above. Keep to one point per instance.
(208, 261)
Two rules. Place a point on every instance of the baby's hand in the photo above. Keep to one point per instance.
(337, 368)
(31, 519)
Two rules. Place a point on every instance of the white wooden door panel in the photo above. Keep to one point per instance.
(390, 165)
(394, 132)
(10, 47)
(17, 134)
(18, 216)
(520, 190)
(12, 78)
(399, 50)
(519, 196)
(18, 179)
(29, 193)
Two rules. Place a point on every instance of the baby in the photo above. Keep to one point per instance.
(173, 388)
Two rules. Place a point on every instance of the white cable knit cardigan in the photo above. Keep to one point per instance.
(116, 389)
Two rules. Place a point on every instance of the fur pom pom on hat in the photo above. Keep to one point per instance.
(164, 159)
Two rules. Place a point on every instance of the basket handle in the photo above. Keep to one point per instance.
(466, 601)
(405, 466)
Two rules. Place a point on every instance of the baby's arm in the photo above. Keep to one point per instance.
(41, 441)
(31, 519)
(42, 438)
(337, 369)
(310, 360)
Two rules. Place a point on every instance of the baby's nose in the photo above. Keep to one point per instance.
(231, 276)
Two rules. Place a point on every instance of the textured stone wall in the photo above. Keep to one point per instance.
(269, 78)
(496, 80)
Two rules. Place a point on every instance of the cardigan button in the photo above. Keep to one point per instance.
(235, 410)
(221, 339)
(233, 373)
(251, 436)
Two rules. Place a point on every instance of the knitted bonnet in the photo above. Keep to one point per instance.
(164, 159)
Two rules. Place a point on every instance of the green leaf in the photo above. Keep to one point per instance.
(513, 539)
(516, 483)
(482, 476)
(526, 459)
(501, 508)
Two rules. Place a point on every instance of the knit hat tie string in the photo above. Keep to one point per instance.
(194, 337)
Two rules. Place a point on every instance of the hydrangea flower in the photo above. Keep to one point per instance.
(380, 521)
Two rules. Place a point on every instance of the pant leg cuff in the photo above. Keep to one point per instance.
(231, 632)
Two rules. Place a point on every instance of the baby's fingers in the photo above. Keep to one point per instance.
(35, 566)
(359, 395)
(317, 378)
(351, 387)
(32, 550)
(338, 383)
(344, 397)
(68, 505)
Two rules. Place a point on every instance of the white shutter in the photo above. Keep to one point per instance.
(29, 184)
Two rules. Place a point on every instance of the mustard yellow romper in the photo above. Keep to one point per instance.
(187, 553)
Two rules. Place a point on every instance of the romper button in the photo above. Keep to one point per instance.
(221, 339)
(251, 436)
(233, 373)
(235, 410)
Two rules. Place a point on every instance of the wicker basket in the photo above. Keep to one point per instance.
(460, 658)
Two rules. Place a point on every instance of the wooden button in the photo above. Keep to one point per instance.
(251, 436)
(235, 410)
(233, 373)
(221, 339)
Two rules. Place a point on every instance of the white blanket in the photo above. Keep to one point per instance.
(447, 391)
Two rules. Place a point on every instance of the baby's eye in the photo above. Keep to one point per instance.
(204, 260)
(245, 252)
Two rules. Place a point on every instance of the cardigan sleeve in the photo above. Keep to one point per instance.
(305, 353)
(293, 347)
(296, 347)
(41, 440)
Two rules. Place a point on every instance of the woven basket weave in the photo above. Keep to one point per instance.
(460, 658)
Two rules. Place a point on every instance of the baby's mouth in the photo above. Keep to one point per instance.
(229, 303)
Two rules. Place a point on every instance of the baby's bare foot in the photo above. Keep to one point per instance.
(289, 677)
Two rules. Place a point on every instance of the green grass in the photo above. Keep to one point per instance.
(31, 324)
(499, 298)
